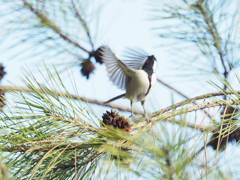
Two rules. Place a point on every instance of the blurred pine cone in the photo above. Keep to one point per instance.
(2, 72)
(229, 112)
(87, 68)
(224, 135)
(2, 98)
(113, 119)
(98, 55)
(2, 92)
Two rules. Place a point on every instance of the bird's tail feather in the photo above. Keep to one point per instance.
(117, 97)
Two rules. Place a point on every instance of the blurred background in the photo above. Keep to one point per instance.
(195, 42)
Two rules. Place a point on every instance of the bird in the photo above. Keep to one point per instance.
(136, 75)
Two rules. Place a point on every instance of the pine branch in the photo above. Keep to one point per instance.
(194, 108)
(171, 171)
(189, 101)
(93, 101)
(172, 88)
(24, 149)
(78, 164)
(83, 22)
(89, 100)
(53, 26)
(214, 33)
(156, 115)
(181, 94)
(121, 108)
(3, 172)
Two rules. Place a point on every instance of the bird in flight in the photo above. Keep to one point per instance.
(136, 75)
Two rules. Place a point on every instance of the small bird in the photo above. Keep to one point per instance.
(136, 75)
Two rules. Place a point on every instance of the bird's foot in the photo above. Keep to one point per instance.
(133, 117)
(147, 118)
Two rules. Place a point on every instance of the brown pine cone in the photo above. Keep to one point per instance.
(98, 55)
(112, 118)
(2, 72)
(229, 112)
(2, 98)
(224, 135)
(2, 92)
(87, 68)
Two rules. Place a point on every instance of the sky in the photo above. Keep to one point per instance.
(123, 24)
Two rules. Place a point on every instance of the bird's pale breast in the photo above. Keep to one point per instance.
(138, 87)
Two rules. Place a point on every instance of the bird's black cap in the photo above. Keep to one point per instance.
(152, 57)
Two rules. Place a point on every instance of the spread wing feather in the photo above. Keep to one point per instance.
(135, 58)
(119, 73)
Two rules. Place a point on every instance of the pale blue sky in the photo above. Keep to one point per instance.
(121, 25)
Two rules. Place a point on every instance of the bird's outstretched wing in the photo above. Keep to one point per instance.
(135, 58)
(120, 73)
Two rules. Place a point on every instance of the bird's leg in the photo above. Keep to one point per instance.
(132, 113)
(145, 113)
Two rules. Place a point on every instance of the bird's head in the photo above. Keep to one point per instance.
(150, 64)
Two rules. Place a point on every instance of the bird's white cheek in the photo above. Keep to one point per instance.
(154, 66)
(154, 79)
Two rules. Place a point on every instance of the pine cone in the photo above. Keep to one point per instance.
(229, 133)
(236, 134)
(87, 68)
(2, 72)
(2, 98)
(222, 136)
(112, 118)
(2, 92)
(98, 55)
(228, 112)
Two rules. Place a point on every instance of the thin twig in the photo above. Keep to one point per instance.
(171, 171)
(26, 148)
(168, 116)
(174, 106)
(181, 94)
(14, 88)
(83, 22)
(121, 108)
(53, 26)
(194, 108)
(79, 164)
(89, 100)
(153, 115)
(172, 88)
(214, 33)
